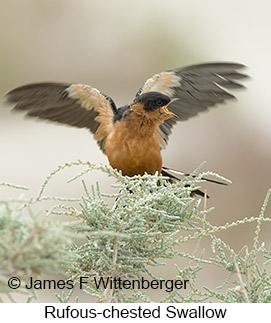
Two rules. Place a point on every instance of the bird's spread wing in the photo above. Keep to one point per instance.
(197, 87)
(77, 105)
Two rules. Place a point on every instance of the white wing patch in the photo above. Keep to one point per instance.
(163, 83)
(88, 96)
(92, 99)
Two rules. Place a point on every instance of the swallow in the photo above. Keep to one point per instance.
(133, 135)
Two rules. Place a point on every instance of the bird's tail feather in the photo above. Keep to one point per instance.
(166, 171)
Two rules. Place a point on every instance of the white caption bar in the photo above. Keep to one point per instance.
(154, 312)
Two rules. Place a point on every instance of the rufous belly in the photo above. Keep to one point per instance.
(133, 155)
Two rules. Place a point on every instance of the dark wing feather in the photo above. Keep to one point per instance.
(76, 105)
(198, 87)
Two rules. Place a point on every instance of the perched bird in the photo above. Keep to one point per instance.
(133, 135)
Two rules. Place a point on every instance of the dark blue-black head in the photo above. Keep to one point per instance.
(152, 100)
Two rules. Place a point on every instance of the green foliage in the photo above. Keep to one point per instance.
(128, 233)
(29, 246)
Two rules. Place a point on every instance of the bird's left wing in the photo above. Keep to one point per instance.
(77, 105)
(197, 87)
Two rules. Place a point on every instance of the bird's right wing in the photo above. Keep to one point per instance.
(197, 87)
(76, 105)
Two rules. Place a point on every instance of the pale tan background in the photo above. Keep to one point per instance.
(115, 46)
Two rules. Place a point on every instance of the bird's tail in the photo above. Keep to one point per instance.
(171, 173)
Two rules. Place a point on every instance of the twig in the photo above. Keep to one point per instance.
(243, 289)
(203, 227)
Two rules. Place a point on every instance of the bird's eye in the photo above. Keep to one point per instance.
(159, 103)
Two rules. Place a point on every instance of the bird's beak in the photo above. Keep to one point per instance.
(166, 109)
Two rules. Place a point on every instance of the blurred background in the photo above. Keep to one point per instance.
(115, 46)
